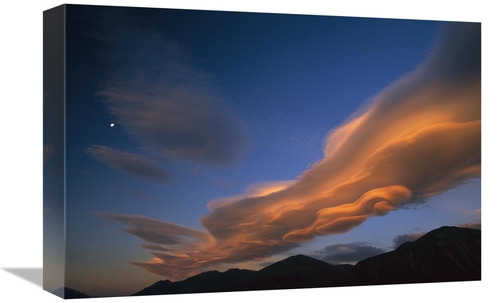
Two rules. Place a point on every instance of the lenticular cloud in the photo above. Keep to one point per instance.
(170, 106)
(420, 137)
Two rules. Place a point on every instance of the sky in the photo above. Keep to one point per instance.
(208, 140)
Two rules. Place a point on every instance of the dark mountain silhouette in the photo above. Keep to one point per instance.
(294, 272)
(444, 254)
(70, 293)
(211, 281)
(299, 272)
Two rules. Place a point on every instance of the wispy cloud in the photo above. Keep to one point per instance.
(166, 103)
(476, 225)
(182, 243)
(136, 193)
(419, 137)
(129, 163)
(169, 105)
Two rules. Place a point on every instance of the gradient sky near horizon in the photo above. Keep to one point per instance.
(202, 140)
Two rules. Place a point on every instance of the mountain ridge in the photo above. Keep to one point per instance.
(444, 254)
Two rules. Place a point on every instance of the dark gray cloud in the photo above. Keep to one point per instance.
(129, 163)
(348, 253)
(169, 105)
(155, 231)
(398, 240)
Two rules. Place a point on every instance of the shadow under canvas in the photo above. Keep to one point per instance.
(33, 275)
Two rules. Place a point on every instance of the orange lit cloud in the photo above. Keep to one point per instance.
(420, 137)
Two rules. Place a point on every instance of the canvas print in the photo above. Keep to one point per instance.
(192, 151)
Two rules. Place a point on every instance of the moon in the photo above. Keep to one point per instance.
(112, 124)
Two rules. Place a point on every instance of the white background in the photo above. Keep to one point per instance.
(21, 147)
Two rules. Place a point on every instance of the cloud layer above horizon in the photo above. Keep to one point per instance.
(129, 163)
(418, 138)
(169, 105)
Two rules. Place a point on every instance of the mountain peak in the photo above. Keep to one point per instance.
(296, 262)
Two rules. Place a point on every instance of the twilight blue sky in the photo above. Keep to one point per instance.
(239, 139)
